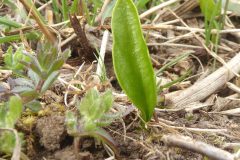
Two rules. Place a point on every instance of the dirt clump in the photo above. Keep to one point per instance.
(51, 131)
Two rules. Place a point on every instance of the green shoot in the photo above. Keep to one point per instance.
(29, 36)
(9, 23)
(65, 10)
(93, 110)
(42, 70)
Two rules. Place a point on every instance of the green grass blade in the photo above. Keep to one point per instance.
(55, 7)
(29, 36)
(74, 7)
(181, 78)
(65, 10)
(173, 62)
(9, 23)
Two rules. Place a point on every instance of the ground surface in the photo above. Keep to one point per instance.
(47, 137)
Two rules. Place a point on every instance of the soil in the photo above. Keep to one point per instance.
(52, 142)
(47, 137)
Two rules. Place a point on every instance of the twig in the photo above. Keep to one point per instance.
(233, 87)
(161, 124)
(85, 48)
(189, 108)
(231, 111)
(182, 8)
(181, 28)
(205, 87)
(175, 45)
(157, 8)
(197, 146)
(44, 6)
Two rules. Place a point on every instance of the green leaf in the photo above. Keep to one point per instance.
(14, 112)
(141, 3)
(8, 141)
(19, 56)
(24, 82)
(56, 65)
(89, 104)
(33, 76)
(93, 109)
(71, 121)
(55, 6)
(93, 105)
(74, 7)
(20, 89)
(8, 57)
(34, 65)
(207, 8)
(34, 10)
(102, 105)
(65, 54)
(107, 101)
(10, 23)
(34, 105)
(65, 9)
(3, 112)
(36, 69)
(11, 4)
(28, 96)
(12, 60)
(30, 36)
(52, 77)
(131, 58)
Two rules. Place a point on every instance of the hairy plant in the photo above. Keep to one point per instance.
(12, 60)
(37, 72)
(92, 116)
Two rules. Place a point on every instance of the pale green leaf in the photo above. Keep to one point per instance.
(71, 121)
(207, 8)
(51, 78)
(14, 112)
(34, 106)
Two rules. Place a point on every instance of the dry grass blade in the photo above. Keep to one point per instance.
(42, 26)
(205, 87)
(80, 32)
(203, 104)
